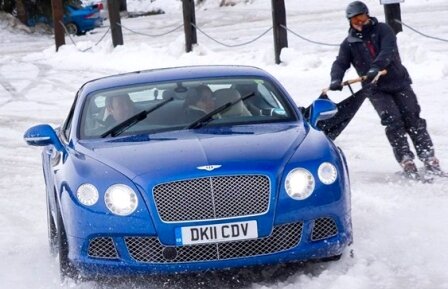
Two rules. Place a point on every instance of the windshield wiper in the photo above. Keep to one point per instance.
(209, 116)
(123, 126)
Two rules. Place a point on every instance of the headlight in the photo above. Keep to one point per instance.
(299, 184)
(121, 199)
(87, 194)
(327, 173)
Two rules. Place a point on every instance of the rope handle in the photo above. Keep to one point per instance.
(359, 79)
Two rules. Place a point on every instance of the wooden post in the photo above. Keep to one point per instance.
(123, 5)
(58, 14)
(280, 33)
(115, 22)
(189, 29)
(194, 37)
(392, 12)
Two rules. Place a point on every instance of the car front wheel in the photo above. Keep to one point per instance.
(66, 269)
(52, 231)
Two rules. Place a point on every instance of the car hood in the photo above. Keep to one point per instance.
(178, 154)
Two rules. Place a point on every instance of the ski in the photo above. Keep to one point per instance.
(423, 176)
(419, 177)
(439, 174)
(426, 178)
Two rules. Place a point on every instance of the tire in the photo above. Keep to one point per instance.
(52, 231)
(66, 269)
(72, 29)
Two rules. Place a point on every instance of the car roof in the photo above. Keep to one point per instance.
(172, 74)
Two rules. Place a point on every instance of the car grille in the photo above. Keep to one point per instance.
(150, 250)
(324, 228)
(102, 247)
(212, 198)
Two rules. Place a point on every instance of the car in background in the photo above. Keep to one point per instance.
(249, 182)
(79, 19)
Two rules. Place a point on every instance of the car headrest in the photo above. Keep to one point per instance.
(168, 93)
(226, 95)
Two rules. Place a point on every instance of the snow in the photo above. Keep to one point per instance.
(399, 236)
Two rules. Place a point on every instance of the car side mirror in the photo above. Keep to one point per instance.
(322, 109)
(42, 135)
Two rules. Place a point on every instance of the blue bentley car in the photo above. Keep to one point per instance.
(79, 19)
(191, 169)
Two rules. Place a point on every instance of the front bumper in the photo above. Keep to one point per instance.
(128, 255)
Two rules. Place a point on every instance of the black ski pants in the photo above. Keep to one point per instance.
(400, 114)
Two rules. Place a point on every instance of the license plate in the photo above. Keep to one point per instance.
(216, 233)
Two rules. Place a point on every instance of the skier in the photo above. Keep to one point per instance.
(370, 47)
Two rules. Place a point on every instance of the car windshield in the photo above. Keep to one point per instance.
(192, 104)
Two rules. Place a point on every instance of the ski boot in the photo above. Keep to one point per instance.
(432, 167)
(410, 169)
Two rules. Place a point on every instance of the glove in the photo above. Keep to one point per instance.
(335, 85)
(371, 74)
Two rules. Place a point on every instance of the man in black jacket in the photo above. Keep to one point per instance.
(370, 47)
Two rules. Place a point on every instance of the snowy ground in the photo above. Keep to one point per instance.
(400, 237)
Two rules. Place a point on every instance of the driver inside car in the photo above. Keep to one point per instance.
(199, 102)
(119, 108)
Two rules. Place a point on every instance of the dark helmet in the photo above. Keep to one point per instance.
(356, 8)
